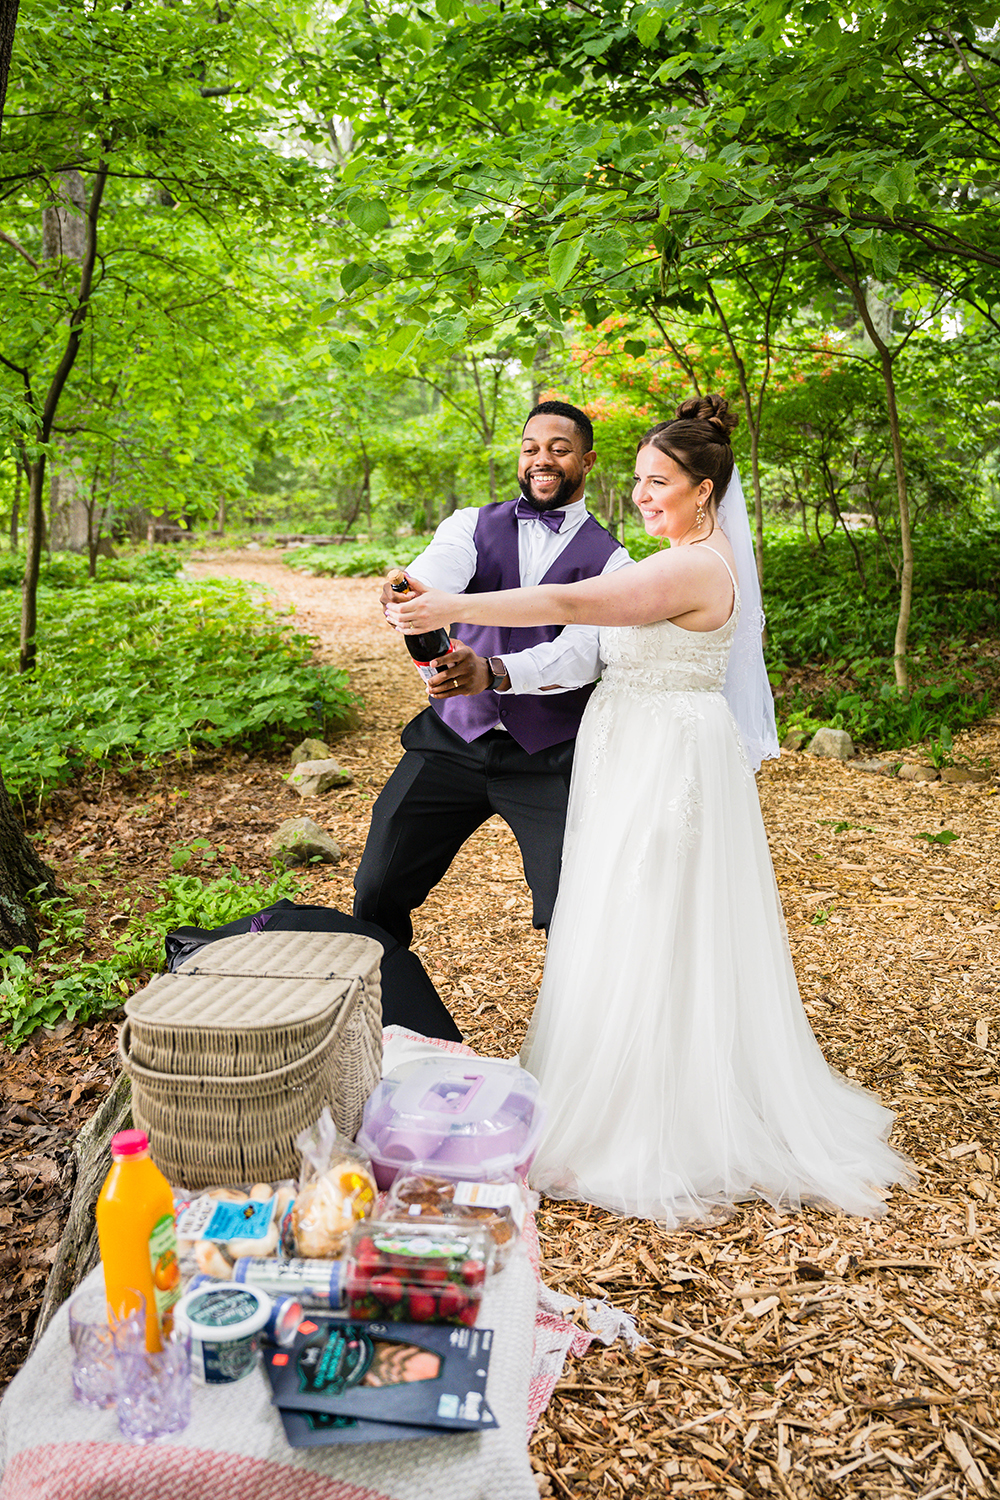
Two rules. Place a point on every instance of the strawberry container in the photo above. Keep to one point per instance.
(417, 1273)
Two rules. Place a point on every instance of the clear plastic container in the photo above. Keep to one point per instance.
(499, 1207)
(464, 1118)
(401, 1272)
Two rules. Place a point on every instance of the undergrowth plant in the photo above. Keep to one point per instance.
(141, 670)
(351, 559)
(59, 985)
(824, 616)
(68, 570)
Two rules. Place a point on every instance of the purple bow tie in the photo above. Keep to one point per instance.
(553, 519)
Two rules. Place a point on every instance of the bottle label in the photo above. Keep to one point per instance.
(427, 669)
(165, 1267)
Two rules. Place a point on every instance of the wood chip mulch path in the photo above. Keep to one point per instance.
(792, 1355)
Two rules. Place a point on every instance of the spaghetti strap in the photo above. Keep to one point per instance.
(706, 548)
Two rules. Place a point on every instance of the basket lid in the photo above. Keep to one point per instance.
(225, 1002)
(288, 955)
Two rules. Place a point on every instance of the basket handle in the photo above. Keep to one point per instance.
(276, 1075)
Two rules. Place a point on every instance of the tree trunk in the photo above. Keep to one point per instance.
(15, 506)
(21, 871)
(32, 563)
(753, 423)
(885, 355)
(36, 470)
(78, 1250)
(8, 22)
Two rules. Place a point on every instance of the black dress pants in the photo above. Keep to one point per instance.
(442, 791)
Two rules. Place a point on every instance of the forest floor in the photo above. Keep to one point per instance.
(785, 1355)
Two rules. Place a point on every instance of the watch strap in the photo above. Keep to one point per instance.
(497, 671)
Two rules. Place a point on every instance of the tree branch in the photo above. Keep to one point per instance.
(14, 244)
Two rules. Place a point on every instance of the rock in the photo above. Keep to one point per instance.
(298, 840)
(958, 774)
(794, 739)
(310, 750)
(835, 743)
(877, 767)
(909, 772)
(311, 778)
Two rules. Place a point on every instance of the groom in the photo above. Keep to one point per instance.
(506, 704)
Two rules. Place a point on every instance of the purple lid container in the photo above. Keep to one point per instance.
(472, 1118)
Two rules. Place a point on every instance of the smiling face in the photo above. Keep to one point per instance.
(667, 496)
(553, 466)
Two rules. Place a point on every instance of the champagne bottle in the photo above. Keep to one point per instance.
(427, 647)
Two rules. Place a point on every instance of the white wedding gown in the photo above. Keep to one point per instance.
(676, 1063)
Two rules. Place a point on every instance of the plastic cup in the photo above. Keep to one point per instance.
(92, 1328)
(153, 1391)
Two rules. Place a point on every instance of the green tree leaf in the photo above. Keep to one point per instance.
(755, 213)
(369, 214)
(354, 274)
(562, 260)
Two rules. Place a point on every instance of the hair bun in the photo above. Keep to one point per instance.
(711, 409)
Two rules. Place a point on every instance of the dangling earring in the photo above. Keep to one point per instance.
(699, 517)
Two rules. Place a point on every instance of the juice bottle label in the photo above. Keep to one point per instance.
(164, 1265)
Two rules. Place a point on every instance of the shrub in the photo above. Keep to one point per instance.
(143, 670)
(351, 559)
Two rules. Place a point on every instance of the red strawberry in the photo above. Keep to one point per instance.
(422, 1307)
(451, 1301)
(366, 1256)
(388, 1289)
(433, 1275)
(357, 1284)
(468, 1314)
(473, 1272)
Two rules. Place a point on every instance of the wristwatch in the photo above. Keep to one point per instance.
(499, 680)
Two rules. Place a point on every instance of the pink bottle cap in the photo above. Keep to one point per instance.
(129, 1143)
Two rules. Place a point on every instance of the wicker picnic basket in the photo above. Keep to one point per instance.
(236, 1053)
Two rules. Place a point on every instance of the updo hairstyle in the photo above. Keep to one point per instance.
(698, 441)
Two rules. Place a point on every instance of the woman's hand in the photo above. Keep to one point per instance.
(424, 609)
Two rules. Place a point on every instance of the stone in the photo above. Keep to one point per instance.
(311, 778)
(959, 774)
(310, 750)
(794, 739)
(298, 841)
(834, 743)
(878, 767)
(910, 772)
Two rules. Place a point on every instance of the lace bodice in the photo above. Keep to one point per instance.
(667, 658)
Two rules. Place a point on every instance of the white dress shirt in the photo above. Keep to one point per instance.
(449, 563)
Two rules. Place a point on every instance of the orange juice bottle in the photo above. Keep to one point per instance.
(138, 1238)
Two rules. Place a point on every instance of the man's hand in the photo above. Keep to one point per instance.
(462, 674)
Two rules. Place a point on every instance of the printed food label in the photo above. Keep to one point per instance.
(492, 1195)
(208, 1219)
(164, 1265)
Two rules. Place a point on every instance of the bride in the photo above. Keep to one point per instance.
(675, 1060)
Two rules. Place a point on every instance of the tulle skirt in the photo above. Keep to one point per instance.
(676, 1063)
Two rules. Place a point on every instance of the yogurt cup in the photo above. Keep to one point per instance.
(224, 1321)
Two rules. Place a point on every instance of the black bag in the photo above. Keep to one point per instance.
(408, 996)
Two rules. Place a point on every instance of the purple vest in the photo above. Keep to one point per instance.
(535, 720)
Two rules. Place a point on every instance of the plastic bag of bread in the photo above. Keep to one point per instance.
(336, 1189)
(500, 1207)
(218, 1226)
